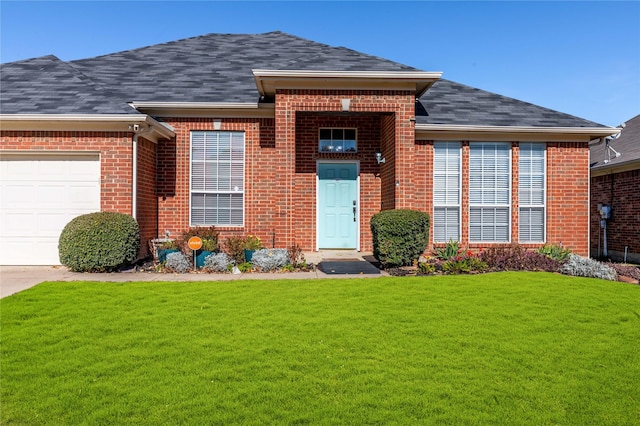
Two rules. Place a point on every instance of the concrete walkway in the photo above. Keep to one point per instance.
(17, 278)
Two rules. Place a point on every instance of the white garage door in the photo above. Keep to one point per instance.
(39, 195)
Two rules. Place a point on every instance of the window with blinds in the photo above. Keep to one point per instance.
(532, 192)
(489, 191)
(217, 178)
(446, 191)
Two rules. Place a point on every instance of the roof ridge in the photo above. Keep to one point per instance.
(49, 56)
(174, 42)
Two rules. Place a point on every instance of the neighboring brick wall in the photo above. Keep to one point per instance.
(621, 191)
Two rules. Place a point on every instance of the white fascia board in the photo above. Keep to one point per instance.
(265, 79)
(514, 133)
(205, 109)
(194, 105)
(620, 167)
(86, 122)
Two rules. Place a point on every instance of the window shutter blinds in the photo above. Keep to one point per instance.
(532, 192)
(217, 178)
(489, 191)
(446, 191)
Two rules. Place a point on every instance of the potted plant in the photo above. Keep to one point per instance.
(250, 245)
(166, 247)
(209, 237)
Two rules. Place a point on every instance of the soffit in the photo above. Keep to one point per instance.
(267, 81)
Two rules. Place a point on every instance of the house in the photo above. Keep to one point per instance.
(615, 194)
(292, 140)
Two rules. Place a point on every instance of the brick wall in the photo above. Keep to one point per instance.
(147, 208)
(368, 134)
(280, 174)
(393, 110)
(621, 192)
(281, 155)
(567, 194)
(261, 175)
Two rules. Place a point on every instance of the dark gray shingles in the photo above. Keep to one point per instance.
(47, 85)
(627, 144)
(448, 102)
(218, 68)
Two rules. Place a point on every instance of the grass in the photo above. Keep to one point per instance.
(508, 348)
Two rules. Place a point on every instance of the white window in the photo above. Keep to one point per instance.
(489, 191)
(446, 191)
(217, 178)
(337, 140)
(531, 192)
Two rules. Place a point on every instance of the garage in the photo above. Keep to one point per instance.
(39, 195)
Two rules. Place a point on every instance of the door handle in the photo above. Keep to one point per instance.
(354, 210)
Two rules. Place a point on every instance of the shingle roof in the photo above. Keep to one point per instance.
(447, 102)
(627, 144)
(47, 85)
(218, 68)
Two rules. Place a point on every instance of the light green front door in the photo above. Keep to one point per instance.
(338, 205)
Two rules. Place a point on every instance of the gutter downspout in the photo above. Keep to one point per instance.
(134, 169)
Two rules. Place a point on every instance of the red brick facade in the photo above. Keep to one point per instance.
(281, 156)
(621, 192)
(568, 195)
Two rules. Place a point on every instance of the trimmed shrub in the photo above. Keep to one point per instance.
(516, 258)
(630, 271)
(99, 242)
(464, 265)
(399, 236)
(234, 246)
(217, 262)
(178, 262)
(585, 267)
(270, 259)
(209, 236)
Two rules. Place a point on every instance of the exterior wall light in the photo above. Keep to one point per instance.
(379, 157)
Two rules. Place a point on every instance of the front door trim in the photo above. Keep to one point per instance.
(357, 163)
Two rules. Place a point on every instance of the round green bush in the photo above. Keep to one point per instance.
(99, 242)
(399, 236)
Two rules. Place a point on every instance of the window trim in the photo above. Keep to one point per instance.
(507, 205)
(338, 128)
(446, 205)
(544, 189)
(244, 180)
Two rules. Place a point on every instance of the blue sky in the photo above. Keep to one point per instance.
(582, 58)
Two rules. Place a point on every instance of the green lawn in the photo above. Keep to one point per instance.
(506, 348)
